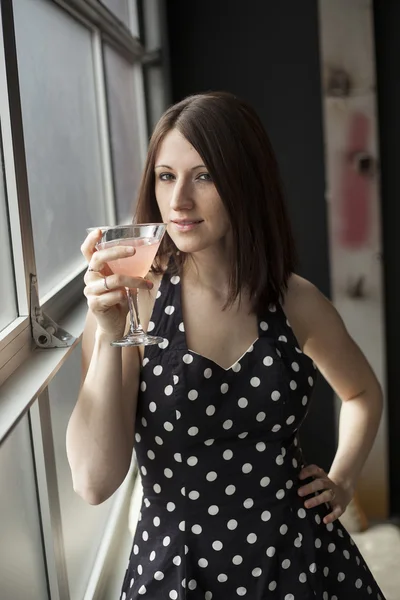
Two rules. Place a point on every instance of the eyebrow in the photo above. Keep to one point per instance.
(168, 167)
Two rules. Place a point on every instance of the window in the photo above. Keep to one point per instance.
(73, 135)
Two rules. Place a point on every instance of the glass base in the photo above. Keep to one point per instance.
(138, 339)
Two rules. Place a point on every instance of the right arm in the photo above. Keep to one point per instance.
(100, 432)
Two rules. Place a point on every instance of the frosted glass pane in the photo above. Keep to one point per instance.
(8, 307)
(82, 524)
(61, 134)
(157, 104)
(119, 8)
(22, 570)
(125, 142)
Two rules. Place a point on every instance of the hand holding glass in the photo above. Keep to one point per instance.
(146, 239)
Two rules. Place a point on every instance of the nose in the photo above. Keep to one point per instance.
(181, 198)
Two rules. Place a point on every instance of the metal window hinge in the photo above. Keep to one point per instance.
(46, 333)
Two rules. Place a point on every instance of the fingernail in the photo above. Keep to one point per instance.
(301, 493)
(130, 250)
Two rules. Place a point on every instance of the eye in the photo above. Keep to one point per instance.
(204, 177)
(165, 177)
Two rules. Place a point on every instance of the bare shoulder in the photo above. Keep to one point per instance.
(309, 311)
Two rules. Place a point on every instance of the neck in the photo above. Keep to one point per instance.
(209, 269)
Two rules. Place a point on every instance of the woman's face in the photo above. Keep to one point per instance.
(187, 198)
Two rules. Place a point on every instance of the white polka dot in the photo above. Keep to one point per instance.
(248, 503)
(341, 577)
(157, 488)
(229, 490)
(140, 569)
(293, 385)
(217, 545)
(290, 420)
(173, 594)
(276, 428)
(168, 390)
(243, 402)
(211, 476)
(318, 543)
(264, 325)
(166, 541)
(192, 461)
(158, 440)
(158, 575)
(311, 381)
(151, 326)
(207, 373)
(194, 495)
(170, 506)
(209, 442)
(203, 562)
(193, 395)
(289, 597)
(260, 416)
(275, 395)
(241, 591)
(181, 327)
(289, 484)
(178, 457)
(236, 367)
(265, 481)
(210, 410)
(286, 563)
(168, 473)
(143, 386)
(359, 583)
(187, 358)
(243, 435)
(213, 510)
(272, 586)
(256, 572)
(227, 454)
(135, 549)
(302, 577)
(247, 468)
(144, 470)
(282, 338)
(295, 366)
(138, 437)
(279, 460)
(313, 568)
(222, 577)
(283, 529)
(169, 310)
(175, 279)
(260, 446)
(145, 536)
(177, 560)
(193, 431)
(192, 584)
(317, 519)
(326, 571)
(208, 596)
(250, 349)
(182, 526)
(268, 361)
(237, 559)
(168, 426)
(197, 529)
(331, 548)
(232, 524)
(152, 407)
(164, 344)
(142, 590)
(297, 542)
(329, 526)
(251, 538)
(255, 382)
(224, 388)
(158, 370)
(280, 494)
(304, 400)
(301, 513)
(183, 491)
(270, 551)
(227, 424)
(265, 515)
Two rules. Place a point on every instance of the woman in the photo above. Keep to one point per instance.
(229, 508)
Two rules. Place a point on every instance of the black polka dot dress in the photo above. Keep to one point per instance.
(219, 459)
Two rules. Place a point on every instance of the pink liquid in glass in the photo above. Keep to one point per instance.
(140, 263)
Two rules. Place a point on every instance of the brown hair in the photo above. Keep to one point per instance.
(232, 142)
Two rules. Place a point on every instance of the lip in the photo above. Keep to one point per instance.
(186, 224)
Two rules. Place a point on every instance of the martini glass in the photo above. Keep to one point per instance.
(146, 239)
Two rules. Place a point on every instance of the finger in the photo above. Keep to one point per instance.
(89, 245)
(334, 515)
(96, 285)
(322, 498)
(314, 486)
(102, 257)
(106, 301)
(311, 471)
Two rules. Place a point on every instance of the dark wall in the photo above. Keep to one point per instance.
(267, 53)
(387, 43)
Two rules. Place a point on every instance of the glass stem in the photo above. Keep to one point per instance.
(135, 325)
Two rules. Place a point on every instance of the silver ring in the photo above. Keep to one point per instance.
(91, 270)
(105, 284)
(333, 494)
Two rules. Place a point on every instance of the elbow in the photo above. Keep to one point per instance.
(92, 496)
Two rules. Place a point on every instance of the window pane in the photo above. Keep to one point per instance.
(8, 307)
(22, 571)
(124, 130)
(83, 525)
(61, 134)
(156, 93)
(119, 8)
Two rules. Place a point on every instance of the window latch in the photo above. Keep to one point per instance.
(46, 332)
